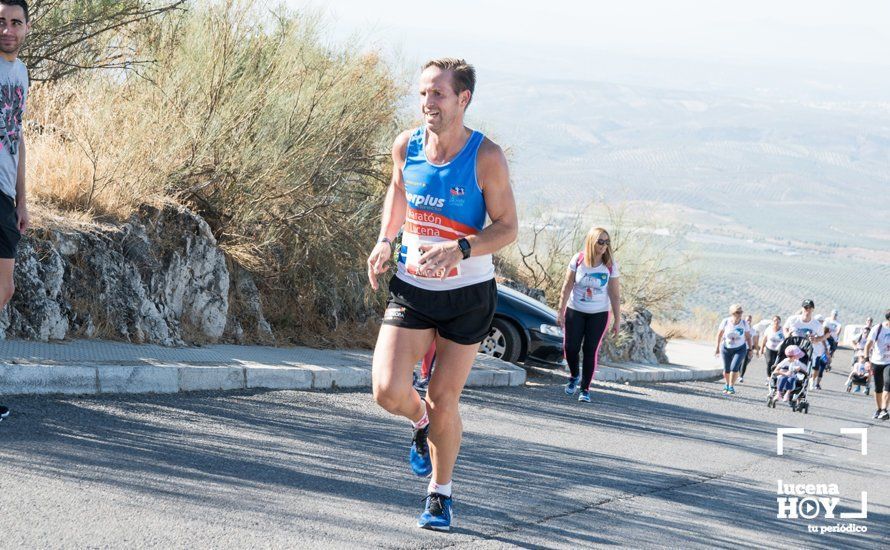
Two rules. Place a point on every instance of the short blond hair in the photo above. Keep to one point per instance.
(463, 75)
(734, 307)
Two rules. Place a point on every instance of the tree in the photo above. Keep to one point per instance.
(71, 35)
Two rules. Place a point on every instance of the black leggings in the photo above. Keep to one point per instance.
(771, 357)
(745, 363)
(584, 331)
(882, 377)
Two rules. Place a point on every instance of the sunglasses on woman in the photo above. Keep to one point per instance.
(602, 242)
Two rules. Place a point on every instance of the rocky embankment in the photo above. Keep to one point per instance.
(158, 278)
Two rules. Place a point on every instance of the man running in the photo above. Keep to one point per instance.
(14, 28)
(446, 179)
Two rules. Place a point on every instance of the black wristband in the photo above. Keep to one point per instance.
(464, 245)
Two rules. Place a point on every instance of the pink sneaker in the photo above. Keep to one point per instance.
(787, 396)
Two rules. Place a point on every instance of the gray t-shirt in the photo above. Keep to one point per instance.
(13, 93)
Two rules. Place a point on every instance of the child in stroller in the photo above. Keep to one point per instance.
(785, 377)
(859, 374)
(799, 399)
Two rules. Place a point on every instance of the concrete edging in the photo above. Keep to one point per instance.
(42, 379)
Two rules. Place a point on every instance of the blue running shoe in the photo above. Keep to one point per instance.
(584, 396)
(419, 457)
(730, 390)
(437, 513)
(572, 386)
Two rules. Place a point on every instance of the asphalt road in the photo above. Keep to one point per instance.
(667, 465)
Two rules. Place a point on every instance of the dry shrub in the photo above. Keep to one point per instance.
(701, 326)
(279, 142)
(654, 275)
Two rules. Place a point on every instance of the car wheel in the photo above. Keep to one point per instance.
(503, 341)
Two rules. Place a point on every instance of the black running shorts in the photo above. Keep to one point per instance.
(462, 315)
(9, 227)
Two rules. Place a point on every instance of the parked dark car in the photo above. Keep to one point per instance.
(524, 330)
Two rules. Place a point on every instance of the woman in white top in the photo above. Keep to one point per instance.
(589, 293)
(734, 344)
(772, 339)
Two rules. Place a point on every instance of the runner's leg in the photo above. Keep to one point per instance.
(446, 385)
(594, 330)
(426, 366)
(397, 352)
(573, 337)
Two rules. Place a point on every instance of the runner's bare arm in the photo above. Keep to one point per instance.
(494, 179)
(393, 215)
(719, 339)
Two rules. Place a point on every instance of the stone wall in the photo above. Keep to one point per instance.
(159, 278)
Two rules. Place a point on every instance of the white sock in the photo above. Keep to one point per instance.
(443, 489)
(424, 420)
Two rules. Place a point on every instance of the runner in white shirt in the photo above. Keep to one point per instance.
(806, 326)
(733, 344)
(877, 349)
(833, 325)
(748, 356)
(770, 342)
(862, 338)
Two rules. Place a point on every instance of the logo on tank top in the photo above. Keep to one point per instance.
(430, 201)
(457, 196)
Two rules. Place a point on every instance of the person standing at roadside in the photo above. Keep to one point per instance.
(14, 28)
(589, 301)
(861, 339)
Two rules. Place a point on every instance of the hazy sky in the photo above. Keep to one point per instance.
(755, 43)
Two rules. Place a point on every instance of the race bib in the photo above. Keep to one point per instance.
(412, 266)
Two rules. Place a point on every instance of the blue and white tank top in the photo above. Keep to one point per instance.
(445, 203)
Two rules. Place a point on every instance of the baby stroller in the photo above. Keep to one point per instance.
(799, 401)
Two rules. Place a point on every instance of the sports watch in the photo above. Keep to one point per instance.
(464, 245)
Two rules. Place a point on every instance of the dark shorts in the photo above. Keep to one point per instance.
(462, 315)
(9, 227)
(832, 344)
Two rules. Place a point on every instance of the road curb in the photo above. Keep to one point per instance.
(637, 374)
(347, 370)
